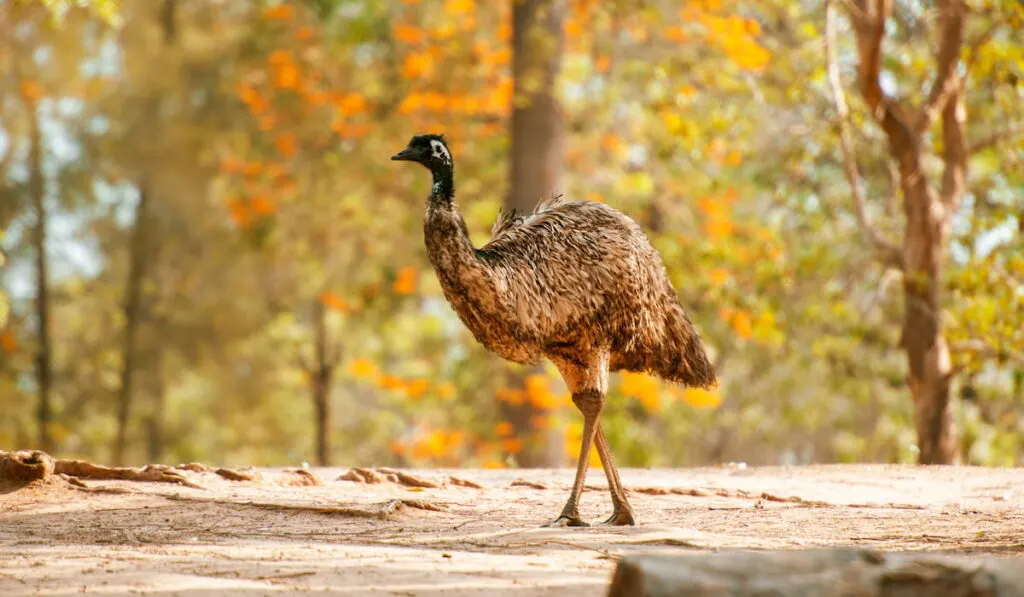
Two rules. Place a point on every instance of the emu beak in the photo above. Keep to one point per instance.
(406, 155)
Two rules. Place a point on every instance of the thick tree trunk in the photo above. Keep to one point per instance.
(44, 352)
(133, 298)
(822, 572)
(537, 128)
(535, 170)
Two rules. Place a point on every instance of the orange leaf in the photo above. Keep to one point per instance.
(512, 445)
(435, 101)
(504, 429)
(305, 33)
(718, 228)
(349, 103)
(286, 72)
(32, 90)
(742, 323)
(504, 32)
(261, 205)
(571, 28)
(362, 368)
(416, 388)
(700, 398)
(675, 33)
(332, 301)
(610, 142)
(603, 64)
(286, 144)
(279, 13)
(405, 283)
(390, 382)
(252, 168)
(511, 396)
(410, 103)
(7, 341)
(239, 213)
(409, 35)
(418, 64)
(458, 7)
(719, 276)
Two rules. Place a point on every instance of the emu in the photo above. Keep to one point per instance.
(574, 281)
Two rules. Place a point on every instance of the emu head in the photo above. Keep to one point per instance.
(429, 150)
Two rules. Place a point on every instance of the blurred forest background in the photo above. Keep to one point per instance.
(210, 257)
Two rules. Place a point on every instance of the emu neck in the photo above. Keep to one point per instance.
(443, 191)
(465, 280)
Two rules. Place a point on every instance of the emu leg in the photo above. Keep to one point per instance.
(622, 512)
(590, 403)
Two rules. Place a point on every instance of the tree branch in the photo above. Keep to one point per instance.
(954, 114)
(984, 349)
(301, 362)
(995, 137)
(947, 83)
(868, 18)
(982, 40)
(890, 253)
(857, 15)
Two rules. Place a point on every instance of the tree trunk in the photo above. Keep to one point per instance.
(155, 441)
(322, 373)
(823, 572)
(535, 171)
(138, 266)
(133, 298)
(928, 211)
(927, 353)
(44, 367)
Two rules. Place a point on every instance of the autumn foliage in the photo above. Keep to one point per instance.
(283, 252)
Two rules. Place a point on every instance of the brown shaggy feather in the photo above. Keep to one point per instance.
(570, 280)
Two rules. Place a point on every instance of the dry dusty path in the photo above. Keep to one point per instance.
(261, 538)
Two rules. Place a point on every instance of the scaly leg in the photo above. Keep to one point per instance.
(590, 403)
(622, 512)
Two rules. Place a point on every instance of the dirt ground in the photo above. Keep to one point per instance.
(258, 537)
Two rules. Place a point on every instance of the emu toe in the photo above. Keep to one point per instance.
(620, 518)
(567, 521)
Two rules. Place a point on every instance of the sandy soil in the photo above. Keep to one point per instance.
(261, 538)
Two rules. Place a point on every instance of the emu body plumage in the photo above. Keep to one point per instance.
(574, 281)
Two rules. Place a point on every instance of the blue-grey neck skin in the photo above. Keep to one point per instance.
(443, 190)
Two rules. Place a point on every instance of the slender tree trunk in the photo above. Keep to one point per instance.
(44, 368)
(322, 374)
(133, 299)
(927, 353)
(155, 441)
(138, 267)
(535, 171)
(928, 210)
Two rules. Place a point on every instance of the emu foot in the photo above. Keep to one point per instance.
(567, 521)
(620, 518)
